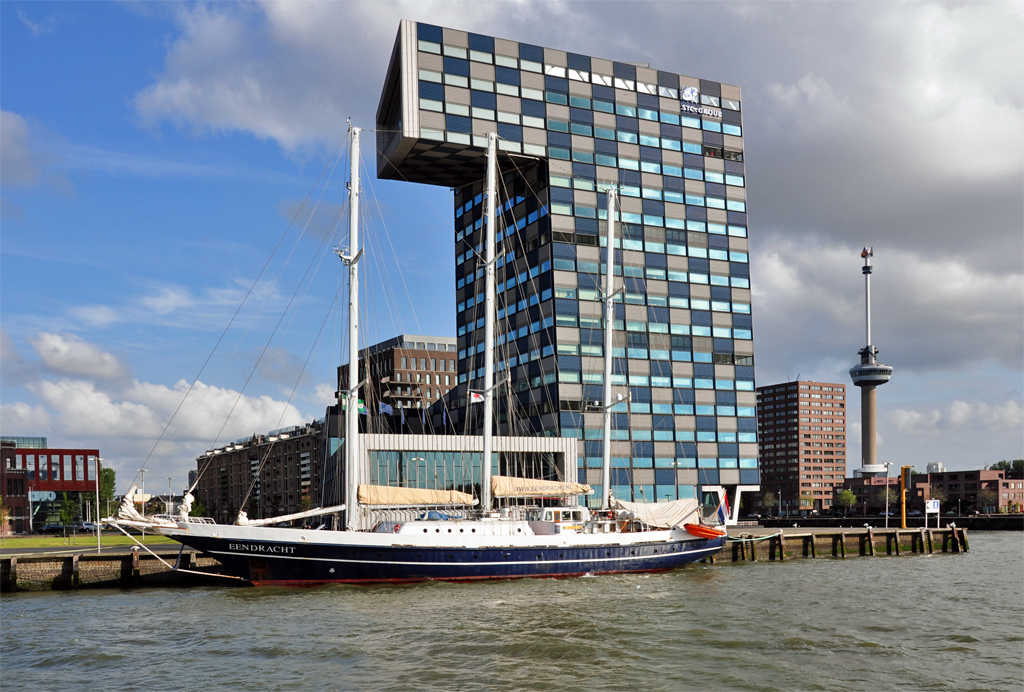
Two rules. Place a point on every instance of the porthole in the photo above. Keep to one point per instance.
(559, 555)
(518, 530)
(437, 530)
(632, 552)
(378, 555)
(474, 556)
(424, 530)
(539, 557)
(609, 553)
(419, 556)
(462, 530)
(473, 530)
(449, 530)
(449, 557)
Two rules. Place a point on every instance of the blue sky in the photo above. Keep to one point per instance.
(151, 155)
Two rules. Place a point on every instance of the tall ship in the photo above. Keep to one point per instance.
(606, 263)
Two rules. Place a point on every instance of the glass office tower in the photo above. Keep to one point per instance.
(569, 126)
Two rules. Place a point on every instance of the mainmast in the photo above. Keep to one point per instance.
(609, 321)
(352, 396)
(489, 231)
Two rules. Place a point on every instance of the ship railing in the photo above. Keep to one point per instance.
(377, 514)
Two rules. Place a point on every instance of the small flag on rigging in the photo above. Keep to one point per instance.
(385, 408)
(475, 397)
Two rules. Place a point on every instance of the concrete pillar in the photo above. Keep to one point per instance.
(869, 441)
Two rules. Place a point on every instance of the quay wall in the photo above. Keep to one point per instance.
(83, 571)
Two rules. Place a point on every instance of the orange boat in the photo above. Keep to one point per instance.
(701, 531)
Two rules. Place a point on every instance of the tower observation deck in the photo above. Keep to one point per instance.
(868, 375)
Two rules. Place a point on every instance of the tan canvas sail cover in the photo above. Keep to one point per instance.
(508, 486)
(663, 514)
(392, 497)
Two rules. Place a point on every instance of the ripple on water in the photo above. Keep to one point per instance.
(713, 627)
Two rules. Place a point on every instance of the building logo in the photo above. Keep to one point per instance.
(691, 94)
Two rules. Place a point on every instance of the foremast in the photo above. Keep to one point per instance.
(491, 193)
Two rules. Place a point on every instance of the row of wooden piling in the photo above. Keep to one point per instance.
(867, 542)
(84, 570)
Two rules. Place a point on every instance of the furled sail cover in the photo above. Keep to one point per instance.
(392, 497)
(663, 514)
(508, 486)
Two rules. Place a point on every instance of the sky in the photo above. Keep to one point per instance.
(171, 177)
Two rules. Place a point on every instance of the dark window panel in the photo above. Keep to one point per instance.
(507, 75)
(578, 62)
(484, 44)
(710, 88)
(624, 71)
(429, 32)
(531, 52)
(456, 66)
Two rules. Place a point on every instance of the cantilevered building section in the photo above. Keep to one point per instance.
(569, 126)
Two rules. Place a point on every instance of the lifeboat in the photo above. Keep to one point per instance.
(701, 531)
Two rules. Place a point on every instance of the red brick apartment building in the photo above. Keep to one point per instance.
(959, 491)
(33, 480)
(802, 430)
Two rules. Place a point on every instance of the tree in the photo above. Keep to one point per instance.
(769, 500)
(890, 495)
(846, 499)
(938, 493)
(67, 512)
(988, 498)
(1015, 466)
(198, 509)
(5, 516)
(108, 484)
(806, 500)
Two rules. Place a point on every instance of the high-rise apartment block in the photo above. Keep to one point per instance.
(803, 442)
(571, 125)
(406, 371)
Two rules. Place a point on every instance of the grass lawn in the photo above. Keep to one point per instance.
(79, 541)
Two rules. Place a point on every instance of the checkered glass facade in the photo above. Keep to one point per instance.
(569, 126)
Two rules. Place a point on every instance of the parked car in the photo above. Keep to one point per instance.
(915, 513)
(52, 528)
(753, 515)
(87, 526)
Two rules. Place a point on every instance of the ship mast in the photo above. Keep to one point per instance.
(352, 396)
(491, 195)
(609, 321)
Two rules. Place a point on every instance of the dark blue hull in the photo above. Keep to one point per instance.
(263, 563)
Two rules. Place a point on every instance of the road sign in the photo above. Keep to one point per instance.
(931, 507)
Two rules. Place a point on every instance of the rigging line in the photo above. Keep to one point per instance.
(448, 223)
(398, 265)
(236, 347)
(287, 307)
(298, 379)
(294, 313)
(244, 299)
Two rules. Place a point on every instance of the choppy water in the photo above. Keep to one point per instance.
(940, 622)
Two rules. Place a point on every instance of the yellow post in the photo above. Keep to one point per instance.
(904, 484)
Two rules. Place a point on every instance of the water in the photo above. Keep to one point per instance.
(938, 622)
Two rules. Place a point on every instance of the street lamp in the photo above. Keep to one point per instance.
(98, 461)
(169, 479)
(780, 503)
(887, 465)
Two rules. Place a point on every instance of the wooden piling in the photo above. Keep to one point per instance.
(782, 545)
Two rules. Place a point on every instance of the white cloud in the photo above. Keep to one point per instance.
(323, 394)
(927, 314)
(169, 299)
(71, 355)
(21, 419)
(96, 315)
(959, 414)
(19, 164)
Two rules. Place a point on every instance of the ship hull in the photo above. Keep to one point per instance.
(269, 562)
